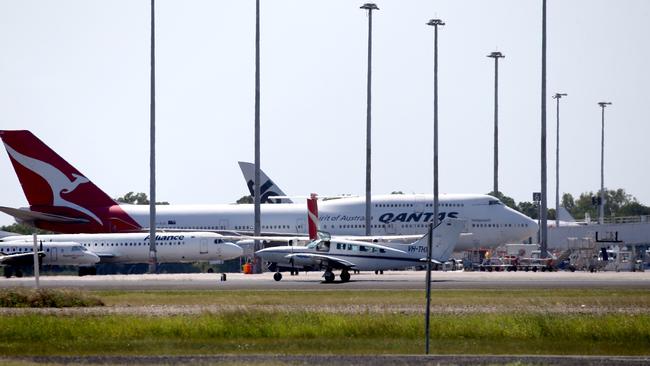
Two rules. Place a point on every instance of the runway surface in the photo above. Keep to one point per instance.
(363, 281)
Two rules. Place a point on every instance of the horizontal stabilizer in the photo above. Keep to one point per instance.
(28, 215)
(432, 260)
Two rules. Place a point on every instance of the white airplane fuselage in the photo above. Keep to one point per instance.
(489, 221)
(134, 247)
(59, 254)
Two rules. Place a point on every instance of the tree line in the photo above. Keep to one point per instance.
(618, 203)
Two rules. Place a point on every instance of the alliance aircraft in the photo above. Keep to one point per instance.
(329, 254)
(63, 200)
(15, 255)
(134, 247)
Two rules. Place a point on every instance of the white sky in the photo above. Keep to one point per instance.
(76, 73)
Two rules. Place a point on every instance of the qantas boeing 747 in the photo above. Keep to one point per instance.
(62, 199)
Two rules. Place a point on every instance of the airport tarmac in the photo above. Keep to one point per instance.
(362, 281)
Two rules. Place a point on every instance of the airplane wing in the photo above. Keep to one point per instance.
(323, 260)
(389, 238)
(432, 260)
(20, 259)
(29, 215)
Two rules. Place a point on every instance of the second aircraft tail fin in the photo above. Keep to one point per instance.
(268, 189)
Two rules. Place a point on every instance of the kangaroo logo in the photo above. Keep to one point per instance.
(264, 191)
(59, 183)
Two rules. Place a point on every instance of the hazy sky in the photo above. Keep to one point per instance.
(76, 73)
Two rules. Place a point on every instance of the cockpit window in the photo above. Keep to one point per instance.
(218, 241)
(323, 246)
(494, 202)
(320, 245)
(77, 249)
(313, 244)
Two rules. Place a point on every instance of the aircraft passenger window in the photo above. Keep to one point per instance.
(362, 248)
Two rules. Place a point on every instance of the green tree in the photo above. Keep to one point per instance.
(633, 209)
(137, 199)
(529, 209)
(245, 199)
(23, 229)
(568, 203)
(508, 201)
(617, 203)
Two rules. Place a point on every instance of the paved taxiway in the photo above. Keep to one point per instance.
(363, 281)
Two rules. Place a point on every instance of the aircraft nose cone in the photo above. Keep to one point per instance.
(231, 251)
(92, 258)
(533, 227)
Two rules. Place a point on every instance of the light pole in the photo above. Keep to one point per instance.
(257, 265)
(557, 98)
(370, 7)
(601, 217)
(153, 257)
(496, 56)
(434, 23)
(544, 211)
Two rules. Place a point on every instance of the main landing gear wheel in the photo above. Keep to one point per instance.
(345, 276)
(277, 276)
(329, 276)
(19, 273)
(9, 272)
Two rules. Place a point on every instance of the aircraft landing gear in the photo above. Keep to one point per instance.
(345, 276)
(19, 273)
(329, 276)
(9, 272)
(87, 271)
(277, 276)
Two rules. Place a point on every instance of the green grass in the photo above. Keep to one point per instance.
(46, 298)
(304, 332)
(500, 298)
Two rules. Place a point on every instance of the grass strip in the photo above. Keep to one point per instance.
(46, 298)
(304, 332)
(449, 297)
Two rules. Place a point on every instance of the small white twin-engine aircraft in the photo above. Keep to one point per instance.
(16, 255)
(342, 254)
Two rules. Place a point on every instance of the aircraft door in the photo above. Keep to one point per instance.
(300, 225)
(203, 246)
(54, 254)
(390, 228)
(223, 224)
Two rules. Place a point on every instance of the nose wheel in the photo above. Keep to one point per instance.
(345, 276)
(277, 276)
